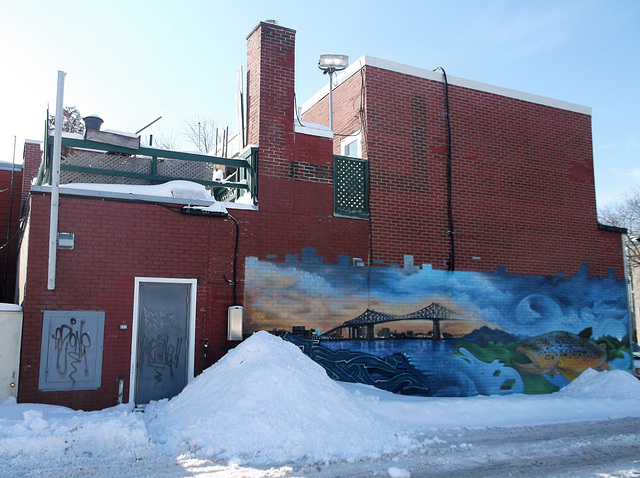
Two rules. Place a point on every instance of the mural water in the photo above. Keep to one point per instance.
(414, 330)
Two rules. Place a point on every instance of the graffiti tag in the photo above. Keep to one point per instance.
(160, 354)
(158, 320)
(71, 346)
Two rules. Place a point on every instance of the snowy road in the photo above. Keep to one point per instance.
(608, 448)
(586, 449)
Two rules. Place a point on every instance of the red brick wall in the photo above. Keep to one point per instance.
(270, 96)
(10, 199)
(114, 243)
(523, 193)
(118, 241)
(523, 198)
(348, 108)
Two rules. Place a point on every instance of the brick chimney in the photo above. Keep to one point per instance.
(32, 158)
(270, 96)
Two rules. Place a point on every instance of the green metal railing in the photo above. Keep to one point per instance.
(145, 165)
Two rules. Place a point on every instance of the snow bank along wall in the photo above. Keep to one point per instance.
(531, 265)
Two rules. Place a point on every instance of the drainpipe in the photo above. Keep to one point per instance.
(451, 232)
(55, 183)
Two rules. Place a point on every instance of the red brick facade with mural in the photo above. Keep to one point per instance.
(522, 201)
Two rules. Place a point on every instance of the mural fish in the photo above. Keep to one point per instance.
(561, 353)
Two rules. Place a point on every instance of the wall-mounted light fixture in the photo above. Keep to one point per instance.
(66, 241)
(329, 64)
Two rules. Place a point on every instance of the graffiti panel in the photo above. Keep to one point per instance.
(71, 357)
(414, 330)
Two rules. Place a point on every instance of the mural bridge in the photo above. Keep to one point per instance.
(362, 327)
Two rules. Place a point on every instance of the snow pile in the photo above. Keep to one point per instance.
(31, 434)
(611, 384)
(266, 402)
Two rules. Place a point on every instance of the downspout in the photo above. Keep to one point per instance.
(55, 184)
(235, 261)
(191, 211)
(451, 231)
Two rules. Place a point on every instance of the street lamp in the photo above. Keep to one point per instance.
(329, 64)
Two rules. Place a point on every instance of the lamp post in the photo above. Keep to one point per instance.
(329, 64)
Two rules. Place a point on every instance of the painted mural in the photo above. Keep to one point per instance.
(414, 330)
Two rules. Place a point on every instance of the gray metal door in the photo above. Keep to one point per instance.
(161, 355)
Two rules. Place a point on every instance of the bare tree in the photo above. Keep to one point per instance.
(202, 133)
(72, 121)
(626, 213)
(166, 140)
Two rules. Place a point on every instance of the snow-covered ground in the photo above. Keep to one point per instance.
(266, 410)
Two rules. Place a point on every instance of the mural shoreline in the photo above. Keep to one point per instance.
(415, 330)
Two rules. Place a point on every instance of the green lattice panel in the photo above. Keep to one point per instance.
(351, 196)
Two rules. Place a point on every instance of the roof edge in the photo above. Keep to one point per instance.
(271, 24)
(606, 227)
(452, 80)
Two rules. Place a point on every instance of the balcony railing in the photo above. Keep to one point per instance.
(86, 161)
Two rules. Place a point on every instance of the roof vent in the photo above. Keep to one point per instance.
(93, 122)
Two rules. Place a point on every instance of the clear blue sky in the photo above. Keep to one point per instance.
(132, 61)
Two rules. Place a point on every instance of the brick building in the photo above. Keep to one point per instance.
(10, 192)
(398, 241)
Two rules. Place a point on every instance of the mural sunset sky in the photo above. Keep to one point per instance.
(326, 295)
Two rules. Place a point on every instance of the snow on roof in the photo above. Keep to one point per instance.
(66, 134)
(174, 189)
(10, 308)
(305, 127)
(177, 192)
(9, 166)
(120, 133)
